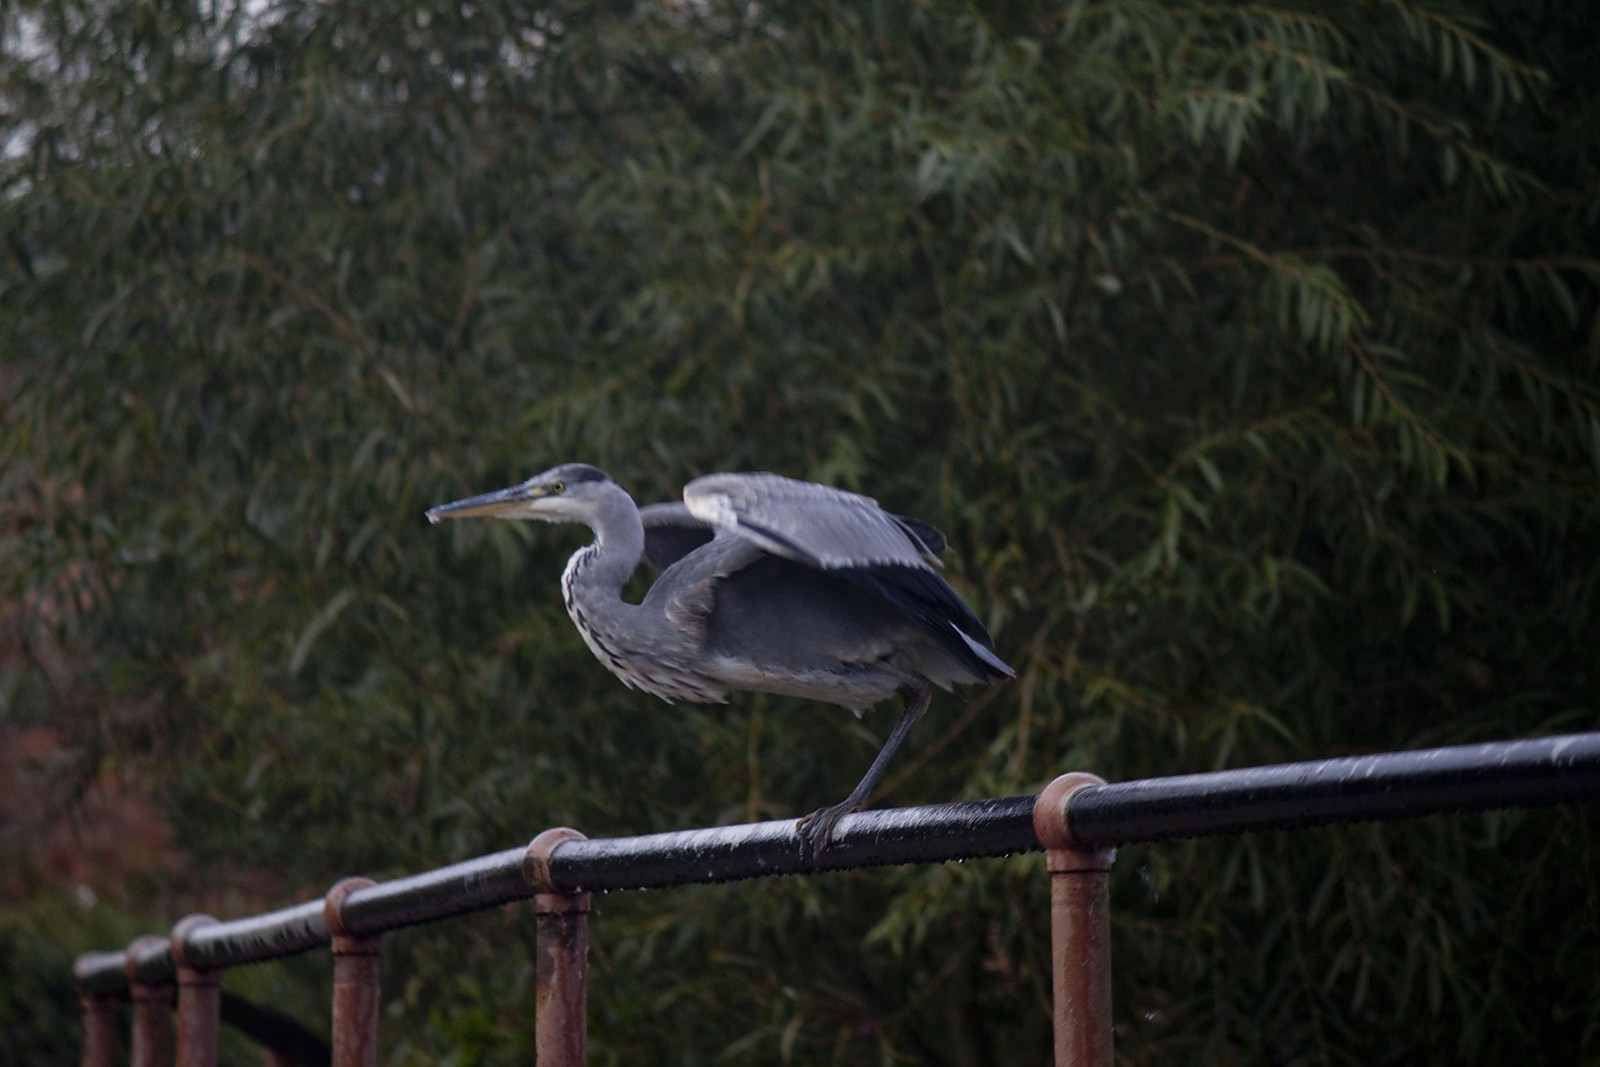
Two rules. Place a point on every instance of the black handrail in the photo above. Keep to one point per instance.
(1394, 785)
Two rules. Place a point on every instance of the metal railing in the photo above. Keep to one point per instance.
(1078, 820)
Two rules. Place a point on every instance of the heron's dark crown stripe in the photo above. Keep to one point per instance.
(579, 473)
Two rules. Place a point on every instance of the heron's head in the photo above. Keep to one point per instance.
(572, 492)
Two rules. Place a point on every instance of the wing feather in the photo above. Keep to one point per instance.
(670, 533)
(819, 525)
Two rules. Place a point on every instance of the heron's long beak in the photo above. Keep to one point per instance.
(502, 503)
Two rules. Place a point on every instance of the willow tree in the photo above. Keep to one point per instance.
(1246, 353)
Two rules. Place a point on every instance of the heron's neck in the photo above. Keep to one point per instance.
(597, 572)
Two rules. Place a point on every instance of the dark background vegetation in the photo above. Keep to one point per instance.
(1247, 353)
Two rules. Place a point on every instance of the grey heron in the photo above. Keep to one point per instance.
(768, 585)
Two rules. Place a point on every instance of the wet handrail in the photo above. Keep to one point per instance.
(1394, 785)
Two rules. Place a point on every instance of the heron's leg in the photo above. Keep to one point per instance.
(816, 829)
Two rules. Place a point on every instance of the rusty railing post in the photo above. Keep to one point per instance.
(355, 983)
(151, 1039)
(99, 1028)
(199, 1000)
(561, 1025)
(1080, 929)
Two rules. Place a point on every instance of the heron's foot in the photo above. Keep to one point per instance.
(816, 829)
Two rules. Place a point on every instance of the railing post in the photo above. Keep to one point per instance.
(355, 983)
(99, 1028)
(561, 1025)
(199, 1000)
(151, 1038)
(1080, 929)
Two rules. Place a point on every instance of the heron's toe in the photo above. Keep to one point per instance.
(816, 829)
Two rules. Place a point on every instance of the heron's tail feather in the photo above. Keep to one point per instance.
(928, 599)
(998, 668)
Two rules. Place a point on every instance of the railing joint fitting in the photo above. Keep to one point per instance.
(537, 874)
(1052, 824)
(342, 939)
(188, 973)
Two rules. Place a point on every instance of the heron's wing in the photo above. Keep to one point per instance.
(827, 528)
(843, 534)
(671, 532)
(931, 536)
(744, 603)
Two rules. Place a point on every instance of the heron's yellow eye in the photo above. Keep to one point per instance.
(559, 487)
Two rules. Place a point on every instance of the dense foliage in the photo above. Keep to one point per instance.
(1247, 353)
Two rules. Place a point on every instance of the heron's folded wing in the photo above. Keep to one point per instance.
(813, 524)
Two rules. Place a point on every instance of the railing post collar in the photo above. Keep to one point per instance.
(149, 976)
(180, 941)
(1052, 824)
(536, 867)
(345, 941)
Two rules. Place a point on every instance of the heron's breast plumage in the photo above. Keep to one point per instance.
(623, 655)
